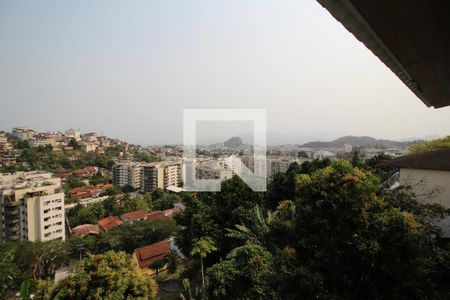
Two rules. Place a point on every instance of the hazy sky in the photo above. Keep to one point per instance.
(128, 68)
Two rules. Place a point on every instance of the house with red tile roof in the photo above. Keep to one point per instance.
(132, 216)
(146, 255)
(86, 172)
(162, 214)
(156, 215)
(85, 192)
(104, 186)
(85, 229)
(109, 223)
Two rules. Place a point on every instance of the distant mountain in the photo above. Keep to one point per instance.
(355, 141)
(233, 142)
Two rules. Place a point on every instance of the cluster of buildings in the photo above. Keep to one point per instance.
(146, 177)
(8, 154)
(111, 222)
(265, 167)
(89, 142)
(334, 152)
(31, 207)
(166, 153)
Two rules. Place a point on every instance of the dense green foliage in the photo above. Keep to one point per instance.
(44, 158)
(112, 206)
(143, 157)
(110, 275)
(9, 270)
(209, 214)
(246, 273)
(443, 143)
(25, 260)
(324, 230)
(162, 200)
(173, 261)
(126, 237)
(83, 215)
(118, 204)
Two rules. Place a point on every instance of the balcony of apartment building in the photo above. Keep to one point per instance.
(11, 211)
(34, 194)
(12, 231)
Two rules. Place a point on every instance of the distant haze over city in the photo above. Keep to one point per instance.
(128, 71)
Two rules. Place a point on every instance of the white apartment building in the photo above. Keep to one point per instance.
(270, 166)
(89, 137)
(73, 134)
(213, 169)
(88, 147)
(348, 148)
(42, 141)
(277, 165)
(127, 173)
(162, 175)
(3, 139)
(32, 207)
(258, 165)
(321, 154)
(23, 133)
(4, 145)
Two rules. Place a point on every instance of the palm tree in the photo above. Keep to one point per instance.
(202, 247)
(259, 228)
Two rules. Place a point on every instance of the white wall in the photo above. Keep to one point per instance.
(430, 186)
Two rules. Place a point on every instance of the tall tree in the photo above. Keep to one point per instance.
(202, 247)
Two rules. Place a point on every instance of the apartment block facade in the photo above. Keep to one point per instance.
(127, 173)
(269, 166)
(162, 175)
(31, 207)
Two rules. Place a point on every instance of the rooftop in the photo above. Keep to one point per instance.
(85, 229)
(148, 254)
(134, 215)
(156, 215)
(109, 223)
(432, 160)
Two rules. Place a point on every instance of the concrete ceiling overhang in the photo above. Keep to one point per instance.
(412, 38)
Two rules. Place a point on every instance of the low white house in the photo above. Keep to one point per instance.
(428, 174)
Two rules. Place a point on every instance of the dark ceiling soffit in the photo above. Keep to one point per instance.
(347, 15)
